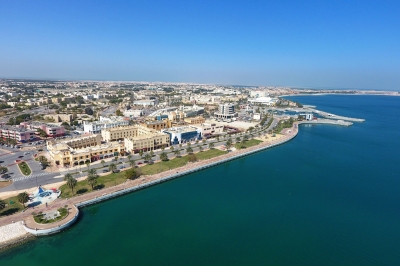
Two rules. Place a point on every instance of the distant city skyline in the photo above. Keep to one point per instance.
(314, 44)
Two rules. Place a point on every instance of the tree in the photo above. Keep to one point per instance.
(180, 145)
(192, 158)
(71, 183)
(151, 153)
(103, 162)
(228, 145)
(116, 158)
(188, 144)
(132, 173)
(172, 148)
(177, 153)
(92, 177)
(2, 204)
(67, 176)
(162, 147)
(119, 113)
(23, 198)
(246, 138)
(238, 139)
(88, 111)
(189, 150)
(204, 141)
(164, 156)
(210, 145)
(3, 169)
(88, 165)
(132, 163)
(141, 153)
(147, 157)
(129, 157)
(200, 148)
(42, 133)
(112, 167)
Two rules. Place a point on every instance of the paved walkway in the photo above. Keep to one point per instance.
(30, 222)
(142, 180)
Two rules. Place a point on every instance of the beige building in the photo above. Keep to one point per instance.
(62, 117)
(158, 125)
(137, 138)
(82, 150)
(211, 129)
(195, 120)
(176, 116)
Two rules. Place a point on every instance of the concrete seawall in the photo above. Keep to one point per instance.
(53, 230)
(327, 122)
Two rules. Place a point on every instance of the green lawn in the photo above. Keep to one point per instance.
(24, 168)
(11, 208)
(248, 143)
(102, 182)
(118, 178)
(39, 217)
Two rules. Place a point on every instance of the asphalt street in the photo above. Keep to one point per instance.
(40, 177)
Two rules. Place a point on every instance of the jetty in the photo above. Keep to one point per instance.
(338, 117)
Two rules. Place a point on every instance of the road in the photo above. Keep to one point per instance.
(40, 177)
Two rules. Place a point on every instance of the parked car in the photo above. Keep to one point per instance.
(105, 171)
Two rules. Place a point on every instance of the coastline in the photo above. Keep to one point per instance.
(147, 181)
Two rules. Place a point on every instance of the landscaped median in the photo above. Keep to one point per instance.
(24, 167)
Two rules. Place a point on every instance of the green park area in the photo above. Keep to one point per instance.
(11, 206)
(118, 178)
(25, 170)
(247, 144)
(42, 218)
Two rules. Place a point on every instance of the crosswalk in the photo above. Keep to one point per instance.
(30, 176)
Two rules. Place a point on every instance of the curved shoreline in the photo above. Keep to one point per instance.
(148, 181)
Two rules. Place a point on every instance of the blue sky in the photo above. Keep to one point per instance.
(323, 44)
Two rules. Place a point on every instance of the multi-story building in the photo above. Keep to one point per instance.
(151, 140)
(133, 113)
(82, 150)
(131, 132)
(49, 129)
(19, 134)
(225, 111)
(195, 120)
(183, 134)
(158, 124)
(104, 123)
(62, 117)
(208, 130)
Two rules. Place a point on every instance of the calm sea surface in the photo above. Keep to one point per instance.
(331, 196)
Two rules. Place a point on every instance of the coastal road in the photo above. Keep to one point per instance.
(40, 177)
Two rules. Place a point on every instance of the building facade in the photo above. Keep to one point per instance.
(225, 111)
(104, 123)
(50, 129)
(195, 120)
(183, 134)
(208, 130)
(19, 134)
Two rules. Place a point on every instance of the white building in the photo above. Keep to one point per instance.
(146, 102)
(210, 129)
(183, 134)
(104, 123)
(262, 100)
(225, 111)
(256, 116)
(133, 113)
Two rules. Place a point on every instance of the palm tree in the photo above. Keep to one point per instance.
(228, 145)
(162, 148)
(172, 148)
(132, 163)
(67, 176)
(147, 157)
(177, 153)
(180, 145)
(163, 156)
(141, 153)
(245, 137)
(151, 153)
(129, 157)
(204, 141)
(210, 145)
(200, 148)
(71, 183)
(23, 198)
(103, 162)
(112, 167)
(2, 204)
(237, 139)
(87, 164)
(189, 150)
(92, 177)
(188, 144)
(116, 158)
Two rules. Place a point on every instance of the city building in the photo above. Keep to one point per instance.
(133, 113)
(50, 129)
(104, 123)
(17, 133)
(82, 150)
(183, 134)
(309, 116)
(151, 102)
(225, 111)
(158, 124)
(263, 101)
(195, 120)
(146, 142)
(256, 116)
(208, 130)
(62, 117)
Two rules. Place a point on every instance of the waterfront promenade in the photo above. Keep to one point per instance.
(77, 200)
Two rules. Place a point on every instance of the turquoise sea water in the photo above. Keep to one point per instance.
(331, 196)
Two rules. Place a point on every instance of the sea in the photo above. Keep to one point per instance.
(331, 196)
